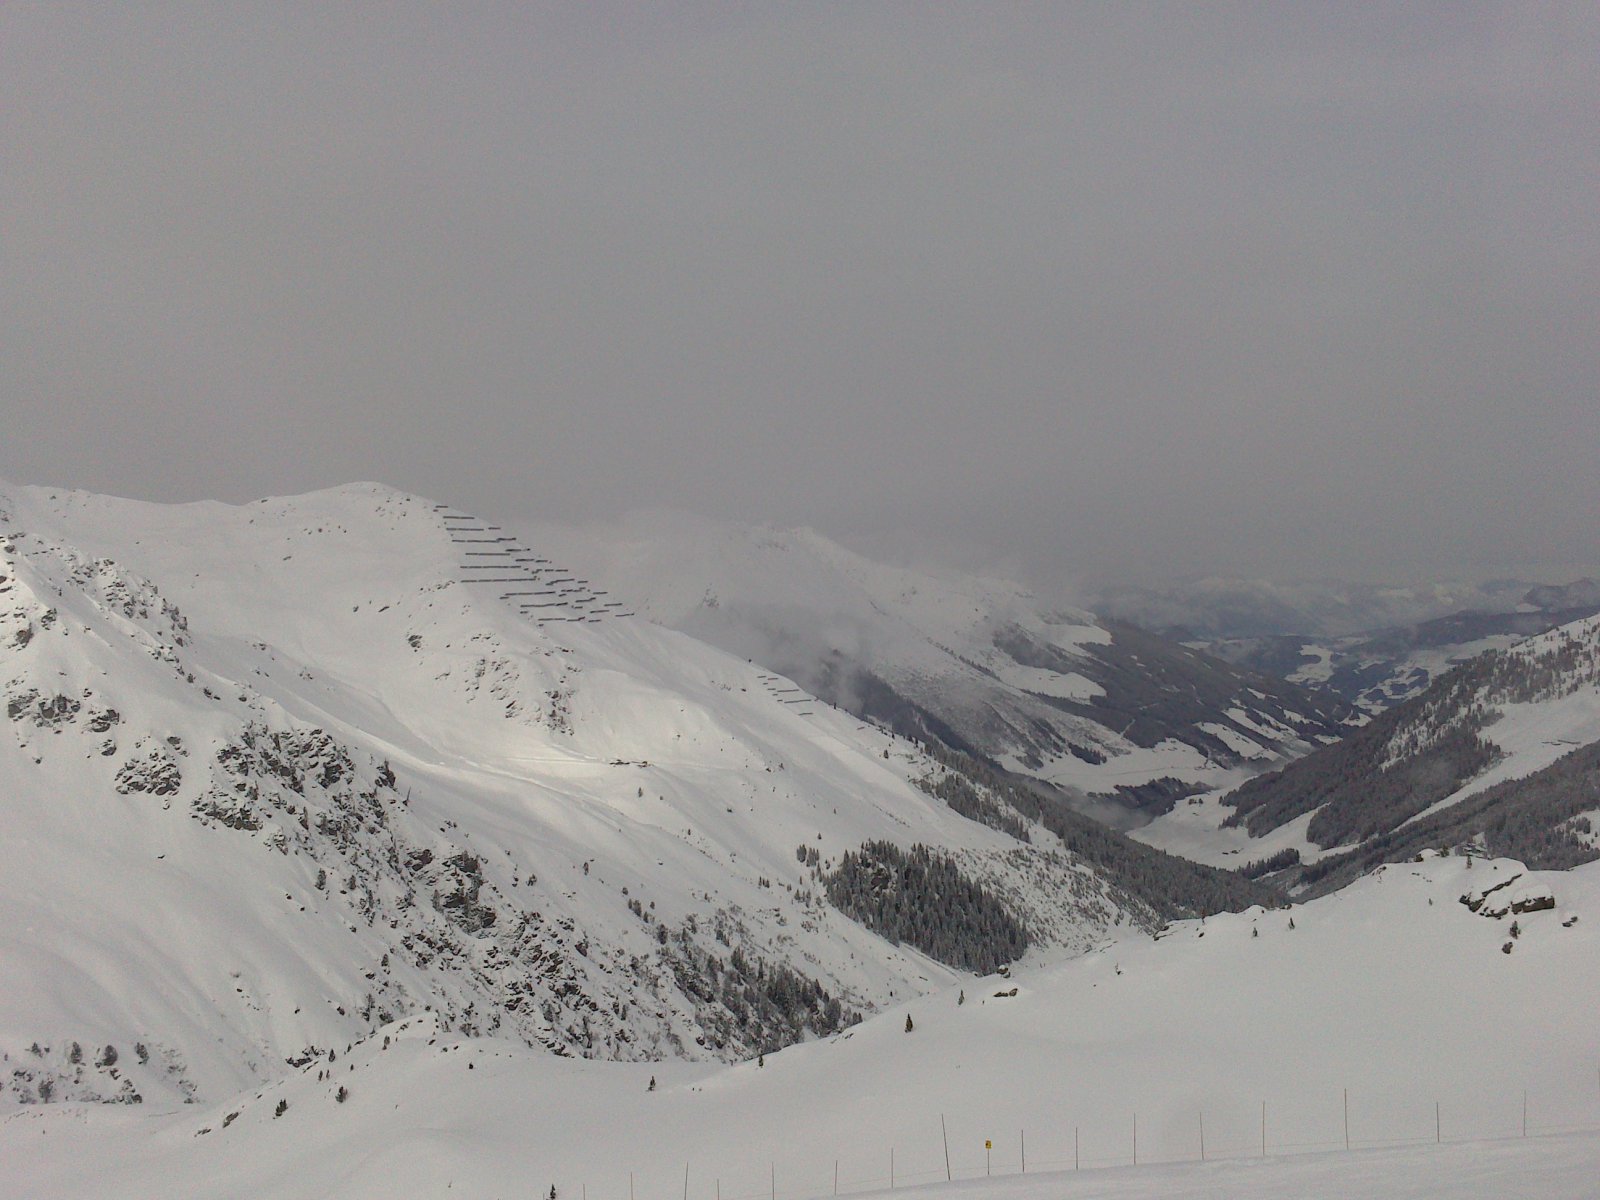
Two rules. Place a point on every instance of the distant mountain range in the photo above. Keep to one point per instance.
(1372, 646)
(1222, 607)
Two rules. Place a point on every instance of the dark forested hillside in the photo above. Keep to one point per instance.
(1544, 820)
(920, 897)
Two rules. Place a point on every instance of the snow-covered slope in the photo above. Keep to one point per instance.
(1503, 751)
(1388, 1014)
(978, 664)
(275, 775)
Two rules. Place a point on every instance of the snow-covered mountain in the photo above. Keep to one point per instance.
(1502, 751)
(980, 665)
(1459, 1035)
(276, 775)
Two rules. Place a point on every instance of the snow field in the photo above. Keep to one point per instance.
(1375, 992)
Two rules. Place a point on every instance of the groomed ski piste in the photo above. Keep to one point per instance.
(1453, 1054)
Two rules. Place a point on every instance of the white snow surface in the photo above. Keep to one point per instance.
(1384, 1001)
(1318, 670)
(1133, 765)
(678, 565)
(1532, 734)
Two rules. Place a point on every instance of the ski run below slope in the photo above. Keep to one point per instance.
(1388, 1014)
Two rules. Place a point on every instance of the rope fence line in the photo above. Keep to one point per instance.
(930, 1167)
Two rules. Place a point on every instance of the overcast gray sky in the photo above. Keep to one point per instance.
(1117, 290)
